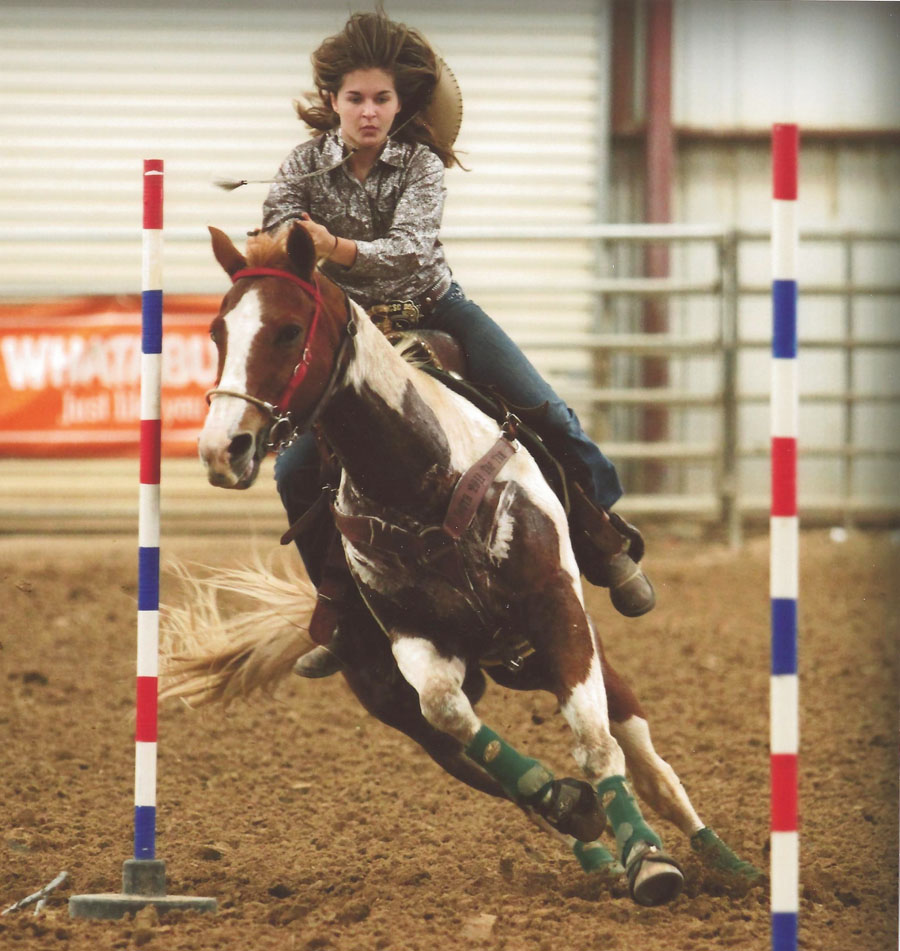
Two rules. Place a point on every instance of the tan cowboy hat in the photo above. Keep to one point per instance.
(445, 111)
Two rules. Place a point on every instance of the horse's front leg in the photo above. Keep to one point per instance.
(568, 805)
(575, 673)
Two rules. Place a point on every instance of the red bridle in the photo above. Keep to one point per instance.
(302, 367)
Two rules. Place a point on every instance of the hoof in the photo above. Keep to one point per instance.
(572, 808)
(654, 878)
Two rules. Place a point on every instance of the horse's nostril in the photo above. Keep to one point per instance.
(240, 445)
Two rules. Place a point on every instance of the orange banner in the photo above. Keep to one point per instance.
(70, 375)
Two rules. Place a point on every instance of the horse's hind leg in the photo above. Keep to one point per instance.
(654, 779)
(657, 783)
(569, 806)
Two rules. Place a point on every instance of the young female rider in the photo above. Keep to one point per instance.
(374, 215)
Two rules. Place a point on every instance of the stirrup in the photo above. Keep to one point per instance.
(319, 662)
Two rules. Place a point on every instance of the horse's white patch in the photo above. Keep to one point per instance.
(504, 527)
(243, 323)
(438, 682)
(587, 713)
(373, 573)
(376, 364)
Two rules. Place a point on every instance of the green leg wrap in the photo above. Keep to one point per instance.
(523, 779)
(716, 854)
(594, 857)
(623, 812)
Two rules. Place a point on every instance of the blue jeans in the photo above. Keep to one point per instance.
(493, 358)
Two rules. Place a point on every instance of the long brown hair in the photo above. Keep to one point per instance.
(374, 41)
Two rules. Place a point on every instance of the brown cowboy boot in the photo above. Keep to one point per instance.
(335, 587)
(608, 551)
(323, 660)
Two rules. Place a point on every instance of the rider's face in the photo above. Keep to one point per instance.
(367, 104)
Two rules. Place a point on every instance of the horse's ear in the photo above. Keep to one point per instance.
(301, 251)
(226, 253)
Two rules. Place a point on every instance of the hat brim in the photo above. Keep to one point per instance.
(444, 113)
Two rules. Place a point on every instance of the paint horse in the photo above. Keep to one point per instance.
(437, 601)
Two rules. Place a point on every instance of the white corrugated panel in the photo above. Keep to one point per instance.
(87, 92)
(824, 65)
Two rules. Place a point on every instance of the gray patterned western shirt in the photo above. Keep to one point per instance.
(394, 216)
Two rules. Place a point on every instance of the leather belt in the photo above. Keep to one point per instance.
(393, 315)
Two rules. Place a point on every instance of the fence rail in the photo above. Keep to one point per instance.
(728, 501)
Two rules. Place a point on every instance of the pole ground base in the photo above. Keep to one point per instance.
(143, 883)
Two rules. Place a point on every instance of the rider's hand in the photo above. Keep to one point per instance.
(325, 242)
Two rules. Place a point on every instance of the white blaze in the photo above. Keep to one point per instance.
(242, 324)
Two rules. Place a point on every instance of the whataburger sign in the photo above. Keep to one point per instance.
(70, 375)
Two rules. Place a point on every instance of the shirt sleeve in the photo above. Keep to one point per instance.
(288, 198)
(414, 232)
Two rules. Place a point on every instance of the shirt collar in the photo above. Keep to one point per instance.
(393, 153)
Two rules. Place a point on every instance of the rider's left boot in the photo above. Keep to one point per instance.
(608, 550)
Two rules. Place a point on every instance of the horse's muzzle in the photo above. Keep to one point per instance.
(231, 463)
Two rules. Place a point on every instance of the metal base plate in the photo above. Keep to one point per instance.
(112, 905)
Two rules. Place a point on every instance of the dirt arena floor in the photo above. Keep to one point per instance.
(316, 827)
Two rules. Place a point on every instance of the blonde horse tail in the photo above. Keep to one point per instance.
(212, 651)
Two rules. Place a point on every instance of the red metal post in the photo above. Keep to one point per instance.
(659, 167)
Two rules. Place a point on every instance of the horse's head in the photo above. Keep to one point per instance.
(276, 333)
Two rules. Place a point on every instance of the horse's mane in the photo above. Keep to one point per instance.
(268, 249)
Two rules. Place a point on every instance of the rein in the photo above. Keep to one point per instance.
(278, 413)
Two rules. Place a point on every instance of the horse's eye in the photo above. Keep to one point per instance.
(288, 334)
(214, 335)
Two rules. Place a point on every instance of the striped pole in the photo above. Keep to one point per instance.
(784, 544)
(148, 516)
(144, 876)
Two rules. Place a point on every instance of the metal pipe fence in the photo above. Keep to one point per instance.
(726, 455)
(723, 453)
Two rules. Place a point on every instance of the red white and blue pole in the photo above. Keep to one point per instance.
(148, 516)
(144, 876)
(784, 544)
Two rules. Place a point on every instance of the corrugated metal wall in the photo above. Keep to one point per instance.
(824, 65)
(88, 90)
(834, 68)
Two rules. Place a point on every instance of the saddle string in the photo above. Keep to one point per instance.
(230, 184)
